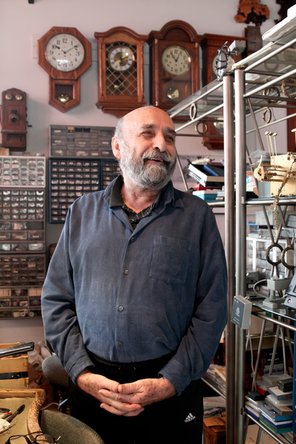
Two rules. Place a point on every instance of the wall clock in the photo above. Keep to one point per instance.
(120, 70)
(65, 54)
(14, 119)
(174, 61)
(210, 45)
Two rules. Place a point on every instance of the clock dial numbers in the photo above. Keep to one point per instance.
(64, 52)
(176, 60)
(121, 58)
(121, 69)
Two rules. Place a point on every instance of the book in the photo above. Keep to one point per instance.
(213, 170)
(199, 173)
(272, 400)
(279, 394)
(207, 195)
(277, 427)
(273, 415)
(279, 409)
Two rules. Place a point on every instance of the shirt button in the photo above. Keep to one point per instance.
(119, 343)
(125, 271)
(120, 308)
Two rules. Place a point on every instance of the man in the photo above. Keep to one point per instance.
(134, 302)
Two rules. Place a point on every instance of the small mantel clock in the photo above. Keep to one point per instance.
(174, 61)
(65, 54)
(120, 70)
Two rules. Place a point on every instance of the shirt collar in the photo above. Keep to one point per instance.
(114, 198)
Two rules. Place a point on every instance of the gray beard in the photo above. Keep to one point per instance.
(153, 177)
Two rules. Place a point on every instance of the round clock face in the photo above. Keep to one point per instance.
(64, 52)
(121, 58)
(176, 60)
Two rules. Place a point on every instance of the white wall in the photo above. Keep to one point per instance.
(21, 24)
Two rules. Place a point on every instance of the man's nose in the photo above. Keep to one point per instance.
(160, 142)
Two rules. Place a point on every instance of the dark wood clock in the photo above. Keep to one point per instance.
(210, 45)
(65, 54)
(174, 61)
(120, 70)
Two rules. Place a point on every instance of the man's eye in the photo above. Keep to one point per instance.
(170, 139)
(147, 134)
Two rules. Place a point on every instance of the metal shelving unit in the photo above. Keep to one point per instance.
(263, 82)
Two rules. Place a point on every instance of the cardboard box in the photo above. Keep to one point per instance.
(13, 370)
(214, 430)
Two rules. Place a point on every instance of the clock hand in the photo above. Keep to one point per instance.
(176, 58)
(65, 52)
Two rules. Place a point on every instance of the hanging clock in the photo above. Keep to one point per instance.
(174, 61)
(65, 54)
(120, 70)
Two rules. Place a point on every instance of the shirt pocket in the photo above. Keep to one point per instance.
(170, 259)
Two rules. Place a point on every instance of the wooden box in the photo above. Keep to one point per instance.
(13, 370)
(28, 420)
(214, 430)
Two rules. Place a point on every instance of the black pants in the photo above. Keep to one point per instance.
(175, 420)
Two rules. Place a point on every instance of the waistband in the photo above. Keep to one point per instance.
(140, 369)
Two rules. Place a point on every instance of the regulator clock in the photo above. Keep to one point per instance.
(174, 61)
(65, 54)
(120, 70)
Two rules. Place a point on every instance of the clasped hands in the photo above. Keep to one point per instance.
(127, 399)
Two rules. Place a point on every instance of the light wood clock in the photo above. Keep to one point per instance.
(174, 61)
(65, 54)
(120, 70)
(210, 45)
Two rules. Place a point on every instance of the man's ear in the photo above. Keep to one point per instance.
(115, 147)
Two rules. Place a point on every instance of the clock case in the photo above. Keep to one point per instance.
(179, 33)
(64, 87)
(120, 91)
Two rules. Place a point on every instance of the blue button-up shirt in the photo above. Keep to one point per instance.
(133, 295)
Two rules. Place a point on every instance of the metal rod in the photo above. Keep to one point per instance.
(270, 83)
(229, 252)
(240, 244)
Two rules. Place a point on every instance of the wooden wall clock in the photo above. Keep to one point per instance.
(65, 54)
(120, 70)
(210, 45)
(174, 61)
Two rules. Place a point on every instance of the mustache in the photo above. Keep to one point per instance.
(158, 155)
